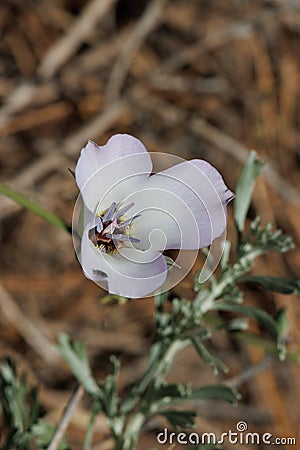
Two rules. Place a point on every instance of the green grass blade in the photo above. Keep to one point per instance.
(34, 207)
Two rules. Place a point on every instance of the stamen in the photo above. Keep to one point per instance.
(110, 228)
(127, 222)
(109, 213)
(123, 237)
(99, 224)
(133, 239)
(123, 210)
(109, 231)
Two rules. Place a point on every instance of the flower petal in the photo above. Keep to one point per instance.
(129, 273)
(186, 202)
(119, 165)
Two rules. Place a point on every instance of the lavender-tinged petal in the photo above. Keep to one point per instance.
(94, 267)
(186, 202)
(137, 274)
(131, 274)
(93, 157)
(100, 274)
(122, 163)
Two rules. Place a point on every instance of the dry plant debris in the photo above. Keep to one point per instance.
(203, 78)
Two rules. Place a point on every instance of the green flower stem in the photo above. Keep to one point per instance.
(231, 276)
(157, 372)
(165, 363)
(162, 365)
(132, 431)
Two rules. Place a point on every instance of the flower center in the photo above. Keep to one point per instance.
(111, 230)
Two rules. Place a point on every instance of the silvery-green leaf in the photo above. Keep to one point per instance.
(75, 356)
(282, 285)
(208, 358)
(180, 419)
(244, 189)
(43, 432)
(261, 317)
(216, 392)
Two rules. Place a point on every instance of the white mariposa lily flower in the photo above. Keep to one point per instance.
(131, 216)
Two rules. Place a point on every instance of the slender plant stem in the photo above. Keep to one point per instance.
(90, 431)
(206, 303)
(132, 431)
(66, 418)
(157, 372)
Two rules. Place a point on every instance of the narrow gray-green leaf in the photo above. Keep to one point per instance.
(208, 357)
(33, 207)
(216, 392)
(266, 345)
(244, 189)
(170, 390)
(43, 433)
(282, 322)
(76, 358)
(180, 419)
(276, 284)
(262, 317)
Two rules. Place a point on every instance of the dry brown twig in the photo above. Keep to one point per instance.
(149, 20)
(214, 40)
(101, 55)
(78, 33)
(20, 97)
(177, 83)
(249, 373)
(26, 93)
(29, 331)
(97, 126)
(66, 418)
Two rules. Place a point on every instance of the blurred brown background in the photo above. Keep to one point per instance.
(199, 78)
